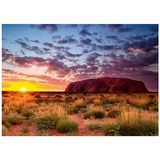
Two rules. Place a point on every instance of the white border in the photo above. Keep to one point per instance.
(87, 12)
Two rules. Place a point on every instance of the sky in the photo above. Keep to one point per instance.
(47, 57)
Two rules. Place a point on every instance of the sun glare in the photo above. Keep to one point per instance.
(23, 89)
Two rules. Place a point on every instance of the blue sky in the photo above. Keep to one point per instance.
(53, 55)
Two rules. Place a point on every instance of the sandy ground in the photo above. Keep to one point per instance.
(83, 130)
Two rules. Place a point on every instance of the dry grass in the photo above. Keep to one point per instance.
(133, 108)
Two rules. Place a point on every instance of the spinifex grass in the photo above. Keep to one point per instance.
(66, 126)
(136, 122)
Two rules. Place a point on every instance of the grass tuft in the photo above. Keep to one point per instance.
(94, 114)
(66, 127)
(46, 121)
(113, 113)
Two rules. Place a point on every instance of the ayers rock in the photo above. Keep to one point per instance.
(107, 84)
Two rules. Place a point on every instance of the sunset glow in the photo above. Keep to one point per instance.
(23, 89)
(47, 57)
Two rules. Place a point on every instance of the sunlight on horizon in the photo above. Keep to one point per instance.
(23, 89)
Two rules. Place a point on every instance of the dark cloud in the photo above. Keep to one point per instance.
(47, 50)
(120, 28)
(23, 53)
(86, 41)
(50, 27)
(6, 55)
(143, 44)
(112, 37)
(56, 37)
(95, 33)
(35, 49)
(138, 61)
(84, 33)
(29, 61)
(68, 40)
(99, 40)
(35, 41)
(91, 59)
(58, 67)
(115, 26)
(108, 47)
(48, 44)
(68, 54)
(137, 38)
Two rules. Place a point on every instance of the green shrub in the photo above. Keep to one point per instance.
(11, 120)
(113, 113)
(27, 113)
(47, 121)
(94, 114)
(66, 126)
(141, 128)
(80, 107)
(110, 129)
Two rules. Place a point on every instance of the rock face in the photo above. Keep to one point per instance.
(107, 84)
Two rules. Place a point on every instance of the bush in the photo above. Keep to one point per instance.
(11, 120)
(143, 128)
(94, 114)
(27, 113)
(111, 129)
(113, 113)
(66, 126)
(80, 107)
(47, 121)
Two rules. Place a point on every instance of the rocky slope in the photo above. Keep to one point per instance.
(107, 84)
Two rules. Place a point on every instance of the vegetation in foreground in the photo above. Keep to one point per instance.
(51, 114)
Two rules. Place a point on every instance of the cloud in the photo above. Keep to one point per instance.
(23, 53)
(84, 33)
(35, 41)
(50, 27)
(47, 50)
(35, 49)
(8, 74)
(108, 47)
(6, 55)
(68, 54)
(145, 45)
(48, 45)
(112, 37)
(86, 41)
(56, 37)
(68, 40)
(120, 28)
(58, 67)
(91, 59)
(99, 40)
(29, 61)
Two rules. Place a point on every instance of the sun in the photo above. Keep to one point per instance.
(23, 89)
